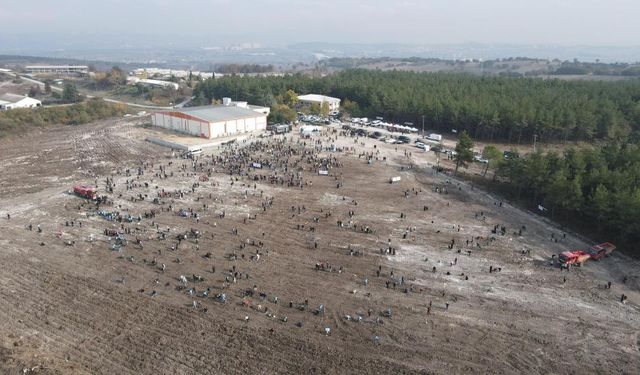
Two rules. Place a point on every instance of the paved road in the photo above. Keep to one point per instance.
(58, 89)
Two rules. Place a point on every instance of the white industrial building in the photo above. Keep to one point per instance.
(307, 100)
(57, 69)
(11, 101)
(211, 121)
(152, 82)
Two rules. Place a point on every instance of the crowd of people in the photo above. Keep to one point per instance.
(200, 192)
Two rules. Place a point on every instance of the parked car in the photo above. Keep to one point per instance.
(437, 148)
(404, 139)
(511, 155)
(423, 146)
(480, 159)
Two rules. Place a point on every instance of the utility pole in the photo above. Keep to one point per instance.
(422, 125)
(535, 137)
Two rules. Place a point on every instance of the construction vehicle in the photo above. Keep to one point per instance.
(86, 191)
(578, 257)
(600, 251)
(573, 258)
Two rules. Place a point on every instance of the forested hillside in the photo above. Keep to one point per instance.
(596, 189)
(489, 108)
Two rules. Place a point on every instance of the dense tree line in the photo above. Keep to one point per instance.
(493, 66)
(243, 68)
(597, 187)
(598, 68)
(489, 108)
(106, 80)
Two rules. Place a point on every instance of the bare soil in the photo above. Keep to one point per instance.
(85, 308)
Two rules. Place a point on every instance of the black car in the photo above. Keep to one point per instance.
(404, 139)
(511, 155)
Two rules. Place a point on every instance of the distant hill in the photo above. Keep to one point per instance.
(516, 67)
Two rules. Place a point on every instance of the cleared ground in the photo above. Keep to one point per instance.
(85, 308)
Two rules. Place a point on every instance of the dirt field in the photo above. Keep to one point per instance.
(89, 308)
(8, 87)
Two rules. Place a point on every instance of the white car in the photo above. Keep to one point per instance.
(480, 159)
(423, 146)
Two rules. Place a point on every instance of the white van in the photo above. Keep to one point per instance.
(191, 153)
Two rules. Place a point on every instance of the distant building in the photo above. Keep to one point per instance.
(11, 101)
(160, 73)
(57, 69)
(151, 82)
(307, 100)
(211, 121)
(167, 73)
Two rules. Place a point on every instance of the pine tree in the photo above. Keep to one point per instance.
(464, 151)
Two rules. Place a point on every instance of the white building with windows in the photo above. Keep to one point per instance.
(307, 100)
(57, 69)
(11, 101)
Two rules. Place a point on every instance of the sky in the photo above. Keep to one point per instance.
(282, 22)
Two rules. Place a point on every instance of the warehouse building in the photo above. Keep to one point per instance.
(307, 100)
(11, 101)
(152, 82)
(57, 69)
(211, 121)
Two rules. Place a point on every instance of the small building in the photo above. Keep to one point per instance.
(211, 121)
(56, 69)
(11, 101)
(227, 102)
(307, 100)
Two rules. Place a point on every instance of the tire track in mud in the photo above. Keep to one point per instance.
(105, 344)
(62, 320)
(97, 339)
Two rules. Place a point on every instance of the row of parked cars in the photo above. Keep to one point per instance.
(317, 119)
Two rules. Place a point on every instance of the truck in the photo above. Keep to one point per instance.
(86, 191)
(578, 257)
(434, 137)
(600, 251)
(190, 154)
(279, 128)
(573, 258)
